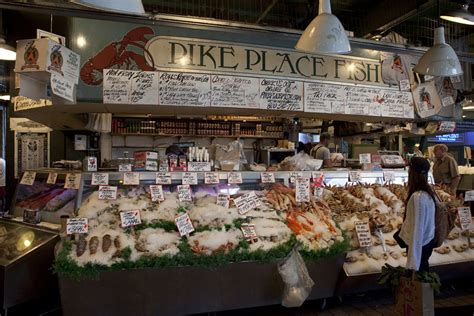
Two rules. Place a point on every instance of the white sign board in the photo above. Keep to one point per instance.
(77, 226)
(211, 178)
(130, 218)
(28, 178)
(163, 178)
(100, 178)
(107, 192)
(189, 178)
(184, 193)
(52, 177)
(246, 202)
(72, 181)
(363, 233)
(267, 177)
(234, 178)
(465, 217)
(156, 192)
(302, 190)
(131, 178)
(184, 224)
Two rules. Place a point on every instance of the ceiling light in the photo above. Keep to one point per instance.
(440, 60)
(462, 16)
(325, 34)
(81, 41)
(467, 108)
(134, 7)
(6, 51)
(5, 97)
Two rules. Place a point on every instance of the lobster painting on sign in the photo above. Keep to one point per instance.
(119, 55)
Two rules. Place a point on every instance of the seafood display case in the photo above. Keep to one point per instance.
(26, 254)
(243, 268)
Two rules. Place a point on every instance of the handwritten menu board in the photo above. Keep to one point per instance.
(238, 92)
(130, 87)
(177, 88)
(116, 86)
(343, 99)
(281, 95)
(144, 87)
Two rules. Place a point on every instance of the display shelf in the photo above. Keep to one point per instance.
(184, 135)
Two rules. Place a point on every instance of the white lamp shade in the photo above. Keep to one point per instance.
(462, 16)
(134, 7)
(6, 51)
(325, 34)
(440, 60)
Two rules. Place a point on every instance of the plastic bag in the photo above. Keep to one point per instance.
(300, 162)
(298, 283)
(230, 156)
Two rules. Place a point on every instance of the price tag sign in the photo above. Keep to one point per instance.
(469, 196)
(318, 192)
(211, 178)
(28, 178)
(365, 158)
(248, 230)
(465, 217)
(77, 226)
(318, 178)
(107, 192)
(234, 178)
(184, 193)
(246, 202)
(388, 176)
(131, 178)
(223, 200)
(267, 177)
(184, 224)
(72, 181)
(100, 179)
(455, 79)
(156, 192)
(295, 175)
(130, 218)
(355, 176)
(92, 164)
(125, 167)
(447, 101)
(189, 178)
(363, 233)
(52, 177)
(163, 168)
(302, 190)
(405, 85)
(199, 166)
(163, 178)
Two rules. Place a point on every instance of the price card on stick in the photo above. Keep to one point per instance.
(77, 226)
(211, 178)
(131, 178)
(52, 177)
(107, 192)
(184, 193)
(318, 192)
(355, 176)
(184, 224)
(156, 192)
(365, 158)
(465, 217)
(234, 178)
(246, 202)
(100, 178)
(447, 101)
(130, 218)
(28, 178)
(302, 190)
(267, 177)
(91, 163)
(295, 175)
(163, 178)
(189, 178)
(199, 166)
(469, 196)
(72, 181)
(223, 200)
(125, 167)
(388, 176)
(363, 233)
(248, 230)
(405, 85)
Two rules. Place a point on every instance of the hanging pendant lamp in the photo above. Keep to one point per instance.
(325, 34)
(441, 59)
(133, 7)
(462, 15)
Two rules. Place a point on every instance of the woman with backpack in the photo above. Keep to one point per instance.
(417, 233)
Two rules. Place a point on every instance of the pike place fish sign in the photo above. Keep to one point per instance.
(175, 54)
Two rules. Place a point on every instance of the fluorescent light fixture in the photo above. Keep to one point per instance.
(462, 16)
(133, 7)
(325, 34)
(6, 51)
(468, 108)
(440, 60)
(5, 97)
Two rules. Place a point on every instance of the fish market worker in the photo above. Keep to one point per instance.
(445, 169)
(321, 150)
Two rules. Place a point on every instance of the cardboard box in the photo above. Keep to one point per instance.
(145, 155)
(146, 160)
(40, 58)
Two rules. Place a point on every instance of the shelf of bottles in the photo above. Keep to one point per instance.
(206, 128)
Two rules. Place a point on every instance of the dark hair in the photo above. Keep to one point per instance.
(418, 178)
(324, 136)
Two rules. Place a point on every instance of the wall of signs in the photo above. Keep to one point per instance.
(205, 90)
